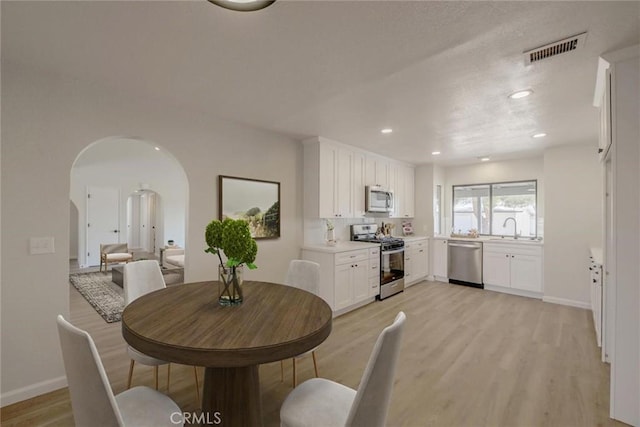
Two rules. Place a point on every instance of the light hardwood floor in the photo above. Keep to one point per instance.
(469, 357)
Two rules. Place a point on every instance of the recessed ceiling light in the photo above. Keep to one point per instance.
(156, 148)
(386, 130)
(484, 159)
(539, 135)
(521, 94)
(435, 153)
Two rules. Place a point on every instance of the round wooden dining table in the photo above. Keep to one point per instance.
(185, 324)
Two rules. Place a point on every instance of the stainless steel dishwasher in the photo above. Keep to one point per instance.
(465, 263)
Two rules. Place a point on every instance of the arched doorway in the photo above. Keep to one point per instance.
(103, 177)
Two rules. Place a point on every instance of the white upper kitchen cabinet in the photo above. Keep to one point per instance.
(359, 169)
(377, 171)
(406, 181)
(402, 183)
(329, 172)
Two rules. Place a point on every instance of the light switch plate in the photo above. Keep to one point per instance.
(41, 245)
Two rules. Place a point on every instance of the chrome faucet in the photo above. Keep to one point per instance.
(515, 226)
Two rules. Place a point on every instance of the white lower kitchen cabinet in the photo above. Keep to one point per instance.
(416, 261)
(513, 268)
(345, 276)
(440, 259)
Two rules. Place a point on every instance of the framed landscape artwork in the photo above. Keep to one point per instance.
(253, 200)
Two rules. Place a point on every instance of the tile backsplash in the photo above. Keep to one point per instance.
(315, 229)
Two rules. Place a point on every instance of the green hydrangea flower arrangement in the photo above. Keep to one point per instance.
(231, 238)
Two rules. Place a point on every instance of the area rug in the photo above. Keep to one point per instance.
(104, 296)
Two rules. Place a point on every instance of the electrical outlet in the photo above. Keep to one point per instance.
(41, 245)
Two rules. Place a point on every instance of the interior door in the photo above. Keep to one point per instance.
(103, 225)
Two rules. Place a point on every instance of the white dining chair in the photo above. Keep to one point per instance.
(92, 399)
(302, 274)
(141, 278)
(320, 402)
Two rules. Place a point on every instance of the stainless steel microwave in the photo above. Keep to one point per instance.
(378, 199)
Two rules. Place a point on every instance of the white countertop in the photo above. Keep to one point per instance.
(341, 247)
(486, 239)
(411, 238)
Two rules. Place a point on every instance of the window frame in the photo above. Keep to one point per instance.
(490, 185)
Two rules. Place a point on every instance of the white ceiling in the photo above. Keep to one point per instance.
(438, 73)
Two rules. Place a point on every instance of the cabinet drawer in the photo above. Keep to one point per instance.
(512, 249)
(352, 256)
(374, 253)
(419, 244)
(374, 285)
(374, 267)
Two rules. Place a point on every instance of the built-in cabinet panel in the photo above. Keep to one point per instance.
(440, 259)
(619, 84)
(595, 285)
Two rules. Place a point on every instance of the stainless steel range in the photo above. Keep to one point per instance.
(391, 258)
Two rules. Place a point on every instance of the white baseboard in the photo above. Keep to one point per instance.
(513, 291)
(569, 302)
(32, 390)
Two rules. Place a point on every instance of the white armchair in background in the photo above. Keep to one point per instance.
(174, 257)
(114, 253)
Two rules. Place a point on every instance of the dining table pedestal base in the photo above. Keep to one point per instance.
(232, 395)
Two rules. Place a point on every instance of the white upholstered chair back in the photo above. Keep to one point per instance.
(304, 274)
(91, 395)
(140, 278)
(373, 397)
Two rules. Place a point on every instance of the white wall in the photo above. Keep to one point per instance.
(47, 121)
(126, 164)
(573, 221)
(499, 171)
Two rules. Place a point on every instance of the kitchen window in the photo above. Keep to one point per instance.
(486, 207)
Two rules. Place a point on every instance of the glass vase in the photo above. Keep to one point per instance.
(230, 285)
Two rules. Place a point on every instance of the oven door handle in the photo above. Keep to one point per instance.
(397, 251)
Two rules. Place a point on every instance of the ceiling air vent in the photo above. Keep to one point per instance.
(553, 49)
